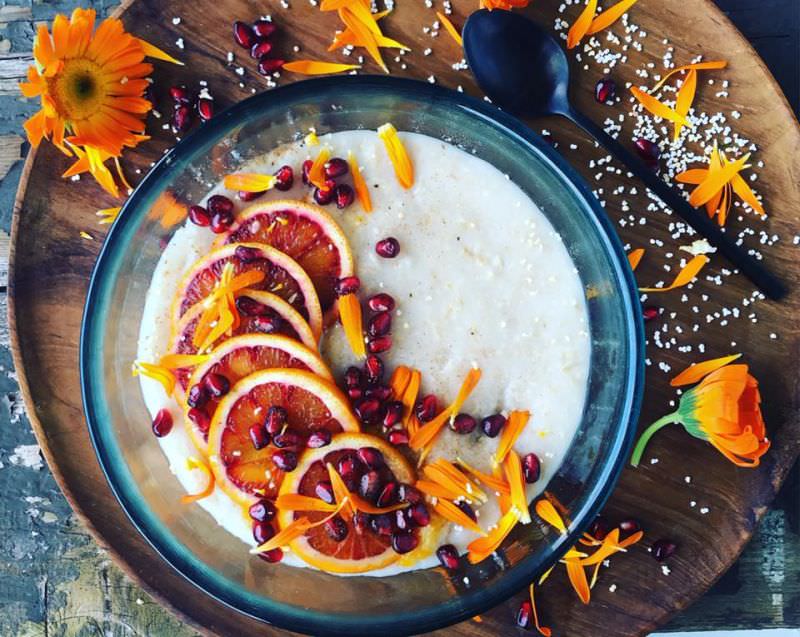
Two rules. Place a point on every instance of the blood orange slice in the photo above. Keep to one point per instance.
(236, 358)
(370, 466)
(306, 233)
(310, 403)
(282, 276)
(268, 313)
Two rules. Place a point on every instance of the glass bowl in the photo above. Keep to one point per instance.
(306, 600)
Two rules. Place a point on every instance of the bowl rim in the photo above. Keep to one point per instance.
(477, 600)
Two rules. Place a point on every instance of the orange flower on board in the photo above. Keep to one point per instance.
(91, 85)
(724, 409)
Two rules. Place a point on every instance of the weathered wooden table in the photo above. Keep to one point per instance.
(55, 580)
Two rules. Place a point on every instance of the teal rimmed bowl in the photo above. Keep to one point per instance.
(306, 600)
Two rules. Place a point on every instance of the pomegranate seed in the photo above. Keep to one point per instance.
(323, 196)
(199, 216)
(258, 436)
(467, 509)
(368, 410)
(260, 49)
(285, 460)
(402, 520)
(599, 528)
(199, 418)
(162, 423)
(247, 306)
(380, 324)
(404, 542)
(605, 91)
(268, 66)
(649, 313)
(217, 204)
(198, 396)
(336, 528)
(360, 522)
(180, 94)
(307, 164)
(276, 419)
(263, 28)
(273, 556)
(262, 511)
(381, 524)
(379, 392)
(426, 409)
(285, 178)
(394, 412)
(347, 285)
(324, 491)
(399, 437)
(249, 196)
(448, 556)
(647, 150)
(349, 468)
(243, 34)
(407, 493)
(205, 108)
(525, 614)
(352, 377)
(379, 344)
(319, 438)
(531, 468)
(492, 425)
(629, 526)
(182, 118)
(381, 303)
(370, 486)
(288, 438)
(217, 385)
(388, 248)
(371, 457)
(335, 167)
(246, 254)
(345, 195)
(388, 495)
(221, 222)
(268, 324)
(373, 367)
(262, 532)
(663, 549)
(355, 393)
(463, 424)
(420, 514)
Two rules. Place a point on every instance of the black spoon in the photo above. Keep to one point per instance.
(523, 69)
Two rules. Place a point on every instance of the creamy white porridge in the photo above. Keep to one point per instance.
(482, 280)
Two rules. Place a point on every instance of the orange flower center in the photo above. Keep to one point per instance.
(78, 91)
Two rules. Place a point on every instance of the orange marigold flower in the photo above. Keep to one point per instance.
(91, 85)
(724, 410)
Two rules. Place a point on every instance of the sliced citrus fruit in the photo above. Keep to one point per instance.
(234, 359)
(282, 276)
(308, 403)
(378, 474)
(306, 233)
(261, 313)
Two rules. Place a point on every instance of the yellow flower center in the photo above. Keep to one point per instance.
(79, 90)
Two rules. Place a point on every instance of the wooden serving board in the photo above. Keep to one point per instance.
(51, 265)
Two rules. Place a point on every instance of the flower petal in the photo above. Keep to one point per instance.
(697, 372)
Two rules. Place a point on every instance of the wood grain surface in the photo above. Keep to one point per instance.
(51, 266)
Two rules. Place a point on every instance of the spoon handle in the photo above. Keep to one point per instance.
(768, 283)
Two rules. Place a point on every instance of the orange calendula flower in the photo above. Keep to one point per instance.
(724, 410)
(717, 184)
(505, 5)
(91, 85)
